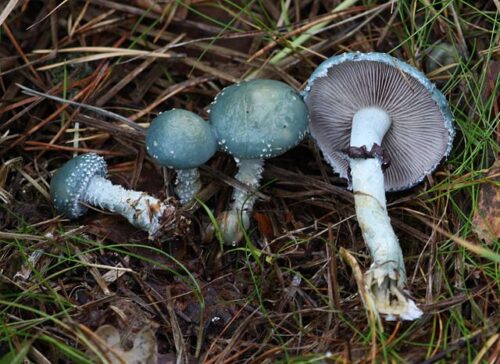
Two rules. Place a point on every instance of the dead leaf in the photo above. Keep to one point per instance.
(265, 225)
(486, 221)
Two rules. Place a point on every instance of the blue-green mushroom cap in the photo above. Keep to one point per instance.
(421, 132)
(180, 139)
(69, 183)
(258, 119)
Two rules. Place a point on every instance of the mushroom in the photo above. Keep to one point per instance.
(384, 126)
(82, 180)
(144, 347)
(254, 120)
(181, 140)
(444, 57)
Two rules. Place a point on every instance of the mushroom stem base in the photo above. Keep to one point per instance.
(386, 277)
(389, 297)
(232, 224)
(140, 209)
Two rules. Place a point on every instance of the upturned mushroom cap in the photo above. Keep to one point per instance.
(180, 139)
(258, 119)
(421, 133)
(70, 182)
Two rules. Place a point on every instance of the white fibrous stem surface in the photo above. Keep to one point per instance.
(249, 173)
(140, 209)
(386, 277)
(187, 184)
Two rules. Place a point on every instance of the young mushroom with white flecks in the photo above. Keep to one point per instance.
(82, 180)
(383, 125)
(181, 140)
(443, 58)
(252, 121)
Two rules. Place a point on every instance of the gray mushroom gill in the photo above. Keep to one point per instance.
(384, 126)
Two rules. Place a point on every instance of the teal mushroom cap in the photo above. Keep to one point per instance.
(70, 182)
(258, 119)
(180, 139)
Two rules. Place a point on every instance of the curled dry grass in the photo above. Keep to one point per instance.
(285, 294)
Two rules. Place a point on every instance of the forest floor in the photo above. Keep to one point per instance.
(96, 289)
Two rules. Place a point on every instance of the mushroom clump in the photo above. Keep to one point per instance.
(181, 140)
(384, 126)
(82, 180)
(252, 121)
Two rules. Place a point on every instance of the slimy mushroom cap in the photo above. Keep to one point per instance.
(421, 132)
(258, 119)
(69, 183)
(180, 139)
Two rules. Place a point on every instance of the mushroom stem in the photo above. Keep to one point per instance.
(140, 209)
(249, 173)
(386, 276)
(187, 184)
(371, 212)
